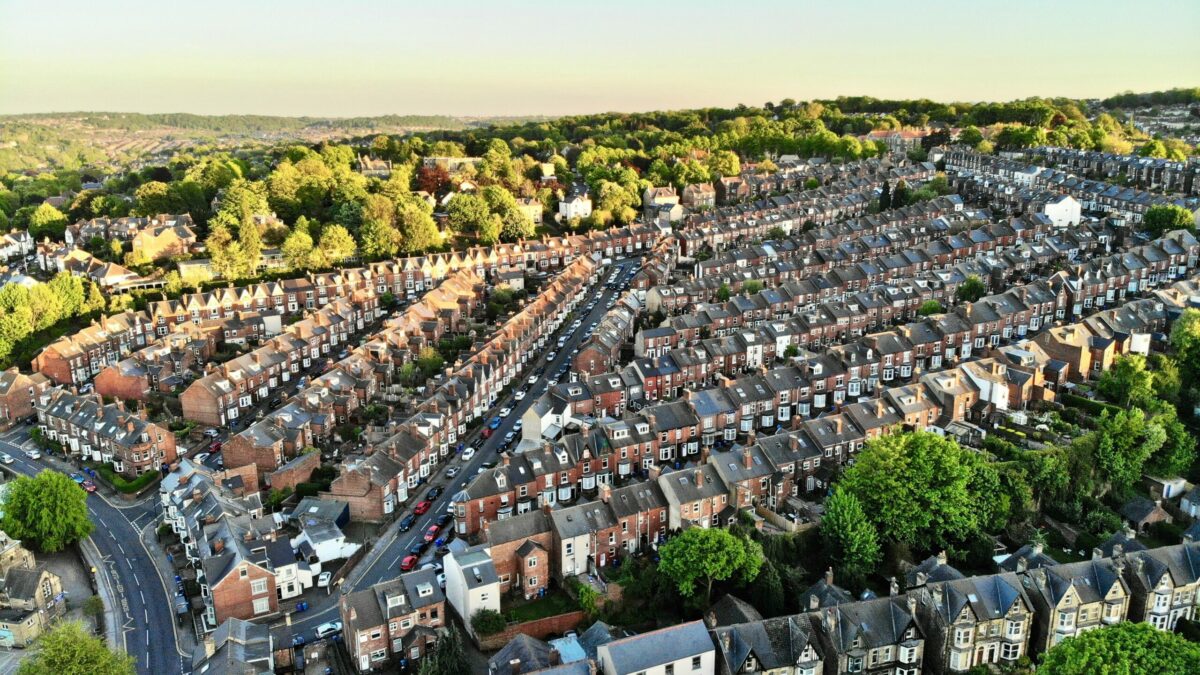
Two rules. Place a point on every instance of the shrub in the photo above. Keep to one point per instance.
(487, 622)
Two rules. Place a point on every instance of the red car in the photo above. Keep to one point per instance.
(487, 433)
(409, 562)
(88, 485)
(432, 533)
(422, 508)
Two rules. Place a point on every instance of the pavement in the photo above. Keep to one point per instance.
(382, 563)
(141, 609)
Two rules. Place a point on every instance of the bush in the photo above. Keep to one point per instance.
(122, 484)
(1166, 532)
(1095, 408)
(487, 622)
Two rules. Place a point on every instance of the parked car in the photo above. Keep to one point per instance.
(77, 477)
(33, 454)
(88, 485)
(328, 628)
(505, 412)
(201, 457)
(212, 433)
(422, 508)
(432, 533)
(409, 562)
(323, 579)
(519, 396)
(215, 446)
(532, 379)
(407, 522)
(434, 493)
(417, 547)
(508, 438)
(494, 424)
(444, 520)
(467, 454)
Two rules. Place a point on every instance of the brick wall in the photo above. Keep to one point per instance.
(295, 472)
(110, 382)
(540, 629)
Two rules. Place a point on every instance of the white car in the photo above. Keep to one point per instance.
(452, 472)
(467, 454)
(323, 579)
(519, 396)
(6, 458)
(551, 355)
(33, 454)
(532, 379)
(328, 628)
(518, 425)
(211, 433)
(201, 457)
(505, 412)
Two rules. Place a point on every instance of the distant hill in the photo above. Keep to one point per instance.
(72, 139)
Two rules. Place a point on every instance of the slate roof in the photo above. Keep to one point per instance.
(666, 645)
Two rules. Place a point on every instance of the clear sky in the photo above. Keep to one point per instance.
(500, 57)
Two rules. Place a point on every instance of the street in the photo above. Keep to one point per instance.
(383, 562)
(148, 629)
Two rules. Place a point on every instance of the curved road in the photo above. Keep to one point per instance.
(147, 628)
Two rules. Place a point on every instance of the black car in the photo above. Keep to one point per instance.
(417, 547)
(433, 494)
(407, 522)
(444, 519)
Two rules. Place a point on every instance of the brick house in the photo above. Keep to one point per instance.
(18, 395)
(520, 549)
(105, 433)
(393, 623)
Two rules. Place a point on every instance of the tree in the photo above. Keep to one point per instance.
(922, 489)
(704, 555)
(69, 649)
(849, 537)
(930, 307)
(297, 249)
(418, 232)
(885, 197)
(900, 194)
(1127, 382)
(489, 230)
(970, 290)
(723, 292)
(47, 221)
(1120, 447)
(516, 225)
(336, 244)
(752, 286)
(153, 198)
(1178, 451)
(766, 592)
(379, 239)
(467, 213)
(1163, 218)
(448, 657)
(1127, 648)
(487, 622)
(48, 510)
(46, 306)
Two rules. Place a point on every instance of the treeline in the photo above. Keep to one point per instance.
(1179, 96)
(29, 315)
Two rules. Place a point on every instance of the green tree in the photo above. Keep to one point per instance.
(47, 221)
(467, 213)
(297, 249)
(1163, 218)
(336, 244)
(48, 510)
(930, 307)
(1124, 649)
(1178, 451)
(153, 198)
(885, 197)
(46, 305)
(700, 556)
(849, 536)
(379, 239)
(418, 231)
(1167, 380)
(970, 290)
(70, 649)
(723, 292)
(1127, 382)
(922, 489)
(515, 226)
(68, 288)
(900, 194)
(1120, 447)
(751, 287)
(766, 592)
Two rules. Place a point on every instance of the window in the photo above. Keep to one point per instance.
(533, 581)
(1010, 650)
(379, 655)
(532, 562)
(696, 663)
(670, 669)
(262, 606)
(258, 586)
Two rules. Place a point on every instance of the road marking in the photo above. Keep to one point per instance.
(122, 549)
(130, 563)
(143, 597)
(146, 617)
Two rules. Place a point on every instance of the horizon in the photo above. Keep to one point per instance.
(541, 59)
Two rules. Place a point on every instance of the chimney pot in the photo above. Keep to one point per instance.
(1022, 564)
(829, 576)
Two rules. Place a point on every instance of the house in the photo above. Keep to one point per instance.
(393, 623)
(1164, 584)
(18, 395)
(236, 647)
(877, 635)
(163, 241)
(471, 583)
(1072, 598)
(786, 644)
(653, 197)
(31, 596)
(532, 208)
(89, 429)
(977, 621)
(1190, 502)
(1141, 513)
(577, 204)
(523, 654)
(520, 550)
(699, 196)
(374, 168)
(731, 189)
(685, 648)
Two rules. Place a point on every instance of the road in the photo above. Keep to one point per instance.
(383, 563)
(148, 627)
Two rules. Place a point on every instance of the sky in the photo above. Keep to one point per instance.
(532, 57)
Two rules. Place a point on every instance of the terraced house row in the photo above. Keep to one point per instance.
(1152, 173)
(615, 446)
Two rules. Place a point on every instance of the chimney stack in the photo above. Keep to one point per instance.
(893, 586)
(912, 604)
(1022, 564)
(747, 458)
(605, 492)
(1097, 553)
(699, 477)
(829, 576)
(218, 546)
(1038, 548)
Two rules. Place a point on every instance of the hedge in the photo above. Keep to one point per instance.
(1090, 406)
(122, 484)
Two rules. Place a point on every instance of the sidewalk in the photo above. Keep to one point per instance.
(186, 633)
(113, 630)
